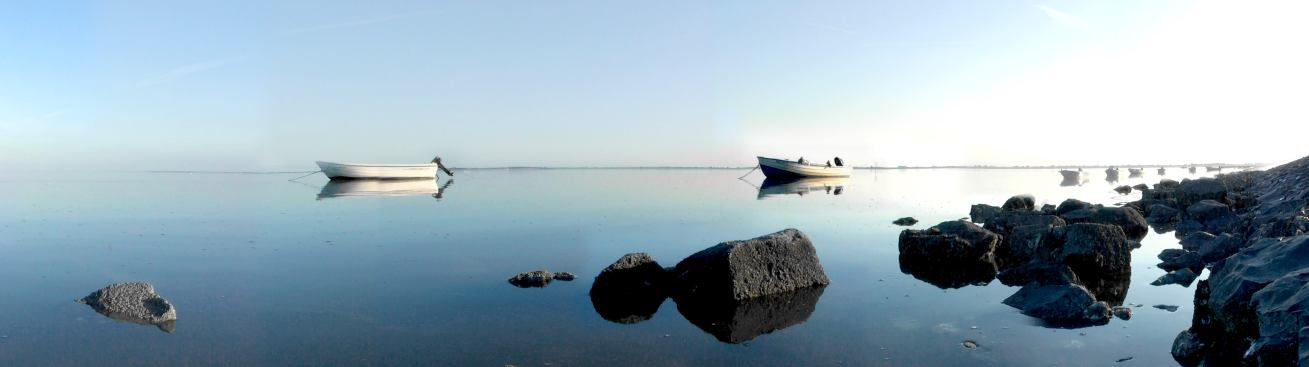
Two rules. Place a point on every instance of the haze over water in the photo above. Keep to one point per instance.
(263, 272)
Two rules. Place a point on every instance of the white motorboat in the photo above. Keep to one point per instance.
(383, 171)
(773, 167)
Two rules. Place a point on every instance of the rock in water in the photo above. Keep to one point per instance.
(951, 241)
(1070, 205)
(133, 302)
(738, 270)
(1182, 276)
(1131, 220)
(1090, 248)
(906, 221)
(630, 290)
(1019, 203)
(565, 276)
(982, 213)
(532, 279)
(1124, 189)
(1174, 259)
(1058, 303)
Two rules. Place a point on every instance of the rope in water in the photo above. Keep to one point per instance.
(751, 171)
(310, 173)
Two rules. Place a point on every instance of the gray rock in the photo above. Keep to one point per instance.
(1160, 213)
(982, 213)
(1174, 259)
(906, 221)
(1090, 248)
(630, 290)
(1055, 303)
(1049, 209)
(134, 302)
(1132, 222)
(1122, 312)
(1281, 311)
(1169, 308)
(1124, 189)
(1193, 191)
(1072, 205)
(949, 241)
(1023, 202)
(1212, 248)
(1182, 276)
(738, 270)
(1167, 184)
(1188, 348)
(1140, 187)
(532, 279)
(1235, 280)
(1213, 216)
(1036, 272)
(1020, 232)
(565, 276)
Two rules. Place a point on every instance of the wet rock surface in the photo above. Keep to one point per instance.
(532, 279)
(1019, 203)
(952, 241)
(775, 263)
(982, 213)
(134, 302)
(906, 221)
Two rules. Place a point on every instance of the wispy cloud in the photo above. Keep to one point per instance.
(190, 69)
(1067, 20)
(351, 24)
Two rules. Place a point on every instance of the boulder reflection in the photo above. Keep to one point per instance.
(739, 322)
(773, 186)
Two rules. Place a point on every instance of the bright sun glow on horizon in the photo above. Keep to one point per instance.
(255, 86)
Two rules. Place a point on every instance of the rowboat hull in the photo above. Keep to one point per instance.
(377, 171)
(781, 168)
(1070, 174)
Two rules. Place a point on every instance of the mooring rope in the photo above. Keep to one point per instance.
(751, 171)
(307, 175)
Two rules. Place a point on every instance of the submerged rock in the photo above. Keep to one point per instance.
(1122, 312)
(1124, 189)
(1065, 303)
(1212, 248)
(565, 276)
(1182, 276)
(134, 302)
(1174, 259)
(1042, 273)
(737, 270)
(532, 279)
(906, 221)
(1169, 308)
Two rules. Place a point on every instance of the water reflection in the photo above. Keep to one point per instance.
(337, 188)
(947, 274)
(800, 186)
(739, 322)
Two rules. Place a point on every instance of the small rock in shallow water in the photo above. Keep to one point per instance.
(133, 302)
(532, 279)
(564, 276)
(1123, 313)
(1169, 308)
(906, 221)
(970, 344)
(1121, 360)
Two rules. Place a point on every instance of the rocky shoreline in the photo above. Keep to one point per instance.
(1072, 261)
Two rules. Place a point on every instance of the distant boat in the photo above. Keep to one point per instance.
(1071, 175)
(1162, 171)
(1213, 168)
(1192, 169)
(384, 171)
(1111, 171)
(1134, 171)
(773, 167)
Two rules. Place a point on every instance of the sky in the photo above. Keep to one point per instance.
(276, 85)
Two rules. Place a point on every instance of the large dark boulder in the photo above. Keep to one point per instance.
(982, 213)
(1130, 220)
(1212, 248)
(737, 322)
(1193, 191)
(1162, 214)
(1019, 203)
(1091, 249)
(1167, 184)
(1235, 280)
(1124, 189)
(134, 302)
(949, 241)
(1283, 314)
(1066, 303)
(1174, 259)
(737, 270)
(1213, 216)
(630, 290)
(1070, 205)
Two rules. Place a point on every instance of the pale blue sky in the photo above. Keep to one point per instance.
(260, 85)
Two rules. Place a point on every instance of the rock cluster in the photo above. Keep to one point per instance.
(1073, 261)
(736, 290)
(1251, 230)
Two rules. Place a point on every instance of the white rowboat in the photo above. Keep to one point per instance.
(351, 170)
(773, 167)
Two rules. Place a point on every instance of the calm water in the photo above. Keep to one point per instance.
(263, 272)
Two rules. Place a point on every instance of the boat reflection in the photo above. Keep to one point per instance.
(801, 186)
(337, 188)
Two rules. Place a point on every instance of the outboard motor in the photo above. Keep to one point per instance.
(838, 161)
(437, 160)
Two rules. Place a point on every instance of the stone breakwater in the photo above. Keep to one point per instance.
(1251, 231)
